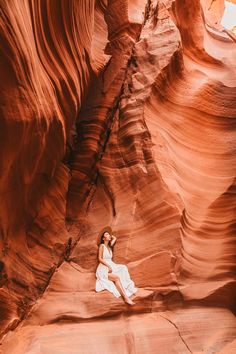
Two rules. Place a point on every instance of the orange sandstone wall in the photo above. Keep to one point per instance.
(46, 70)
(117, 112)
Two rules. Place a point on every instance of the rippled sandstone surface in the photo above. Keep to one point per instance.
(118, 112)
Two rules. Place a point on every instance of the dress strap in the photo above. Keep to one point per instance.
(107, 249)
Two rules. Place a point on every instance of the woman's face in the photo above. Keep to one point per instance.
(106, 236)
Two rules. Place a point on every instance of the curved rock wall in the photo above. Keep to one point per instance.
(46, 70)
(121, 113)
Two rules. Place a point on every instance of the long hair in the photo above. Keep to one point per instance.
(102, 240)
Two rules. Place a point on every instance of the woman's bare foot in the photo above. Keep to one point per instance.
(129, 301)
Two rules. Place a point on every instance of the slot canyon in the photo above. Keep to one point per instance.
(119, 113)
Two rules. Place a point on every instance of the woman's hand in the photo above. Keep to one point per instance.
(109, 270)
(113, 240)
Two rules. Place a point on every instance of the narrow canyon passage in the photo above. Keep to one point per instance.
(120, 113)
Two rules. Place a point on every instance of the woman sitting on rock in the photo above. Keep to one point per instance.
(112, 276)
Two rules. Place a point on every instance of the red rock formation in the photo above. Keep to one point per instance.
(121, 113)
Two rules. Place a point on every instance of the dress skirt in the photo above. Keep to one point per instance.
(102, 281)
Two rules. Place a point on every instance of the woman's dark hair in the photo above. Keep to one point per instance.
(102, 240)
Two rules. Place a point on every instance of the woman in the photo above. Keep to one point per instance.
(112, 276)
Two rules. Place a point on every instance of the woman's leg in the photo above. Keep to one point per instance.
(116, 280)
(120, 287)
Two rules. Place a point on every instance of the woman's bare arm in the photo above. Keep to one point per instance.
(113, 241)
(100, 256)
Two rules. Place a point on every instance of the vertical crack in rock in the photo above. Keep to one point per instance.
(24, 308)
(157, 49)
(147, 11)
(103, 103)
(130, 342)
(109, 194)
(181, 337)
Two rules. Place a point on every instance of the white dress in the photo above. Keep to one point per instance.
(102, 281)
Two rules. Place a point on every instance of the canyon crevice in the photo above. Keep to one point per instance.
(120, 113)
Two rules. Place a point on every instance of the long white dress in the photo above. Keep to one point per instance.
(102, 281)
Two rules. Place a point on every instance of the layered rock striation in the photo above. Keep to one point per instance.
(120, 113)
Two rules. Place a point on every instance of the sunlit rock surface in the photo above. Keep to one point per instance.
(117, 112)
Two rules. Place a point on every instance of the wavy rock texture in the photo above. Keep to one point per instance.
(46, 70)
(121, 113)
